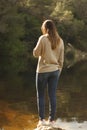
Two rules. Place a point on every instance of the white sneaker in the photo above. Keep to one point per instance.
(52, 124)
(41, 123)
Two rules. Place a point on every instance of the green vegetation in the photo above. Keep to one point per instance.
(20, 22)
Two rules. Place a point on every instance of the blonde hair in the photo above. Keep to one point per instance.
(52, 33)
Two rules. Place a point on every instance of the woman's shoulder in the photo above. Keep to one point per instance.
(42, 37)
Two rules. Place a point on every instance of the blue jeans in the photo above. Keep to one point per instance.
(49, 80)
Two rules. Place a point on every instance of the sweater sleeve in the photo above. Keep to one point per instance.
(38, 48)
(61, 56)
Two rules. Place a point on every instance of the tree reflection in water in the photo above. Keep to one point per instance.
(18, 107)
(72, 93)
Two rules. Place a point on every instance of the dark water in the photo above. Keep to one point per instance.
(18, 107)
(72, 98)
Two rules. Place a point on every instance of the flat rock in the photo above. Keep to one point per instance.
(47, 128)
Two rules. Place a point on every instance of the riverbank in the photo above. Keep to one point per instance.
(15, 119)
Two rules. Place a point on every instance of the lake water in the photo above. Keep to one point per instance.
(18, 108)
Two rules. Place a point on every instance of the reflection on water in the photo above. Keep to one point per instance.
(72, 125)
(72, 93)
(18, 107)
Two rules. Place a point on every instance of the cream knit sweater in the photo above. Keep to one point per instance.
(48, 60)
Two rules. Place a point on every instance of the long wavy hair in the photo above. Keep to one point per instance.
(53, 35)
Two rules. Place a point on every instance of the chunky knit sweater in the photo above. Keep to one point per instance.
(48, 59)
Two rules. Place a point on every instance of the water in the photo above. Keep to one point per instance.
(18, 108)
(72, 125)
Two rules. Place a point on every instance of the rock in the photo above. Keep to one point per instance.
(47, 128)
(73, 55)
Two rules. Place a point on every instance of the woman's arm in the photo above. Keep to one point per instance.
(38, 49)
(61, 56)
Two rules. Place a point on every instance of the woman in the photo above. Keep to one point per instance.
(50, 53)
